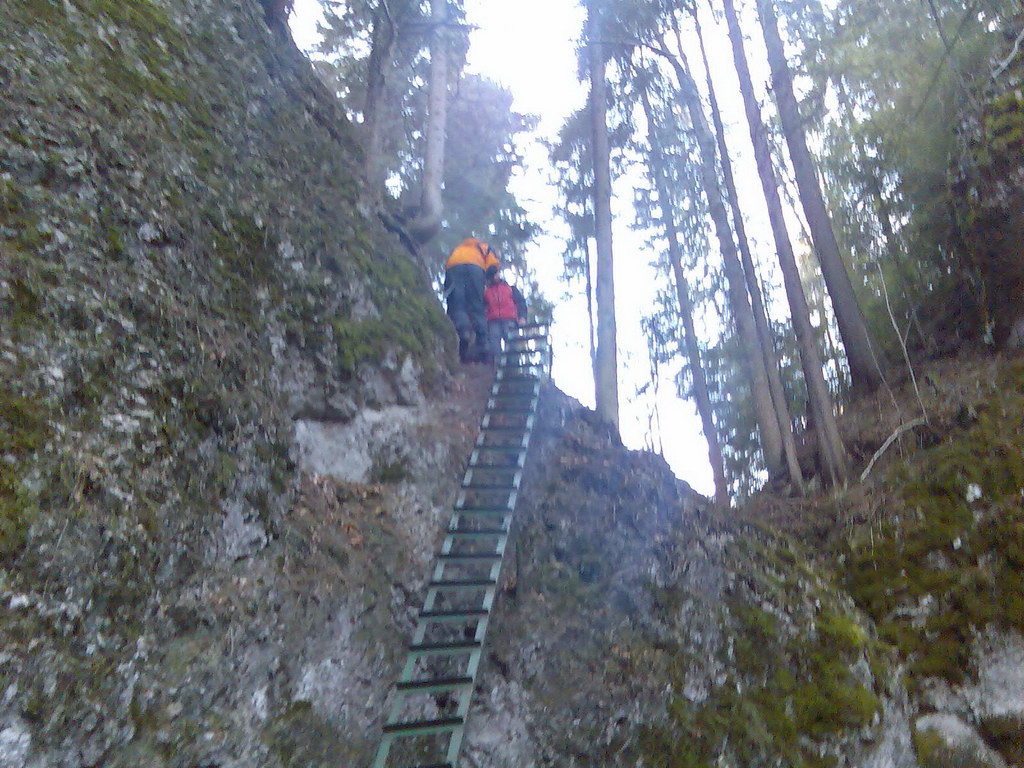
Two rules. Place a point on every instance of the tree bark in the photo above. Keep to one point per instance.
(381, 57)
(771, 361)
(591, 330)
(701, 395)
(764, 409)
(830, 444)
(606, 384)
(864, 369)
(428, 223)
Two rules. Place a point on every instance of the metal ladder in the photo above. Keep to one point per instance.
(432, 696)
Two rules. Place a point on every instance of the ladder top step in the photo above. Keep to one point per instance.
(417, 727)
(434, 684)
(536, 350)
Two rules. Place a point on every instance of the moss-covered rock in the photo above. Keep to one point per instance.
(1006, 735)
(945, 562)
(182, 270)
(652, 632)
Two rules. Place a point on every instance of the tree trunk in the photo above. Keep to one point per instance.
(830, 444)
(864, 370)
(382, 49)
(771, 361)
(428, 222)
(700, 384)
(764, 409)
(606, 383)
(590, 309)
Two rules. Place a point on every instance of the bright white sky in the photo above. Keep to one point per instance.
(530, 47)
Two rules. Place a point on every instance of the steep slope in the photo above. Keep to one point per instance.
(644, 630)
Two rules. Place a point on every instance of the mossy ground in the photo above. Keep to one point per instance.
(931, 548)
(789, 684)
(942, 564)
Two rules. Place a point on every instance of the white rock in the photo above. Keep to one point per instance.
(18, 601)
(148, 233)
(15, 742)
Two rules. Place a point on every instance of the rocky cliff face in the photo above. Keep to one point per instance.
(229, 435)
(186, 289)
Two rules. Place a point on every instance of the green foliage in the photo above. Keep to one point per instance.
(481, 155)
(482, 145)
(911, 81)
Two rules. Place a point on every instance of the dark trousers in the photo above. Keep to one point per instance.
(464, 287)
(497, 332)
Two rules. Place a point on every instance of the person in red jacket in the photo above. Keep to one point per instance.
(506, 308)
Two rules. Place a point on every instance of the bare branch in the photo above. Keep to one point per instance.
(1009, 59)
(885, 446)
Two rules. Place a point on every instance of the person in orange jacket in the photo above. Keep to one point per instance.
(464, 294)
(506, 308)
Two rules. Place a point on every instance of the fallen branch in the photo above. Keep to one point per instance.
(1009, 59)
(885, 446)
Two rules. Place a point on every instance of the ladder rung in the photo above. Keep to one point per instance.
(425, 727)
(489, 487)
(478, 532)
(468, 511)
(517, 430)
(514, 396)
(437, 684)
(510, 410)
(455, 557)
(433, 765)
(458, 583)
(454, 646)
(491, 465)
(454, 615)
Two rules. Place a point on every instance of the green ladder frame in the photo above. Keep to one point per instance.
(482, 514)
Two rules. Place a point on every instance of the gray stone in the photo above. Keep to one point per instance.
(946, 741)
